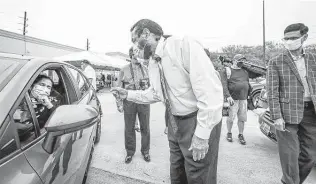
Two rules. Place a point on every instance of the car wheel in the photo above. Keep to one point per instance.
(88, 166)
(255, 99)
(98, 135)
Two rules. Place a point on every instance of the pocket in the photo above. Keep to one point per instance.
(284, 100)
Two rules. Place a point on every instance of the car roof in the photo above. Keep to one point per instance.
(15, 86)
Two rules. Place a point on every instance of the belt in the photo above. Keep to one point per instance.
(191, 115)
(309, 105)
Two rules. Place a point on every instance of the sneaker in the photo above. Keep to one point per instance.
(229, 137)
(241, 139)
(146, 157)
(137, 129)
(166, 131)
(128, 159)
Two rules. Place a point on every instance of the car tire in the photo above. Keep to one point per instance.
(255, 99)
(98, 133)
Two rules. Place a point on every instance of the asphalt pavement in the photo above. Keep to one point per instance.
(256, 162)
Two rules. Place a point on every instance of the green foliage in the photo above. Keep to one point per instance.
(255, 53)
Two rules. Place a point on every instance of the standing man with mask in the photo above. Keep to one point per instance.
(183, 77)
(239, 89)
(291, 87)
(134, 76)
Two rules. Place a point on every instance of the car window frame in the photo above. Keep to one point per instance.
(44, 67)
(3, 130)
(74, 82)
(27, 98)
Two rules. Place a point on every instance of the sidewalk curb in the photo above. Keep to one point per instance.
(126, 175)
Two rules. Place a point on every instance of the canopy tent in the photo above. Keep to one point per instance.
(116, 62)
(98, 61)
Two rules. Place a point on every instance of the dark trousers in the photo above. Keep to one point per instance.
(131, 109)
(297, 149)
(183, 169)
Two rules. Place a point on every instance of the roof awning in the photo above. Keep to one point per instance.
(98, 61)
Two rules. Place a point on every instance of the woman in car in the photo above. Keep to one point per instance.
(44, 99)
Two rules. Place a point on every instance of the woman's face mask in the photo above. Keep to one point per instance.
(42, 88)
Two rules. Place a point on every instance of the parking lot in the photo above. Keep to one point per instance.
(257, 162)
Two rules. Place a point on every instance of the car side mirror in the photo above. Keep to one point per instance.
(68, 119)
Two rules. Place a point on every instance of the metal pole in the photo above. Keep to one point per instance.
(24, 32)
(24, 24)
(87, 44)
(264, 37)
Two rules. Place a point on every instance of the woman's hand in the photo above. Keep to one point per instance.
(45, 101)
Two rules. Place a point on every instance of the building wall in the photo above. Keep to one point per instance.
(24, 45)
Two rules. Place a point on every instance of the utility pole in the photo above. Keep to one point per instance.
(264, 37)
(88, 44)
(24, 24)
(24, 31)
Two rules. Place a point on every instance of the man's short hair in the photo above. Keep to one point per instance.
(86, 62)
(297, 27)
(152, 26)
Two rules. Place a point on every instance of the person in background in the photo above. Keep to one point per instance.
(103, 78)
(89, 73)
(182, 77)
(291, 88)
(134, 76)
(239, 90)
(219, 67)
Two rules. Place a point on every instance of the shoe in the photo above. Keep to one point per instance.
(128, 159)
(166, 131)
(147, 157)
(65, 171)
(241, 139)
(229, 137)
(137, 129)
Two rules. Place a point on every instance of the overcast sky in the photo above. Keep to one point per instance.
(107, 23)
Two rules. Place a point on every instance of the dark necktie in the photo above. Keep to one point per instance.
(170, 117)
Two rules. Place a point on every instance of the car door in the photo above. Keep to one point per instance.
(86, 95)
(14, 168)
(61, 166)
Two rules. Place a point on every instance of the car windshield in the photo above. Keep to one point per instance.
(8, 68)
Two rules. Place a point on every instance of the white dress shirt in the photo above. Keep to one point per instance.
(192, 83)
(300, 65)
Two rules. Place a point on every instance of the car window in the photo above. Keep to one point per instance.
(80, 80)
(7, 141)
(24, 123)
(53, 75)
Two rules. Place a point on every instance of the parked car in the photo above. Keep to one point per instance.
(256, 91)
(267, 125)
(60, 152)
(262, 100)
